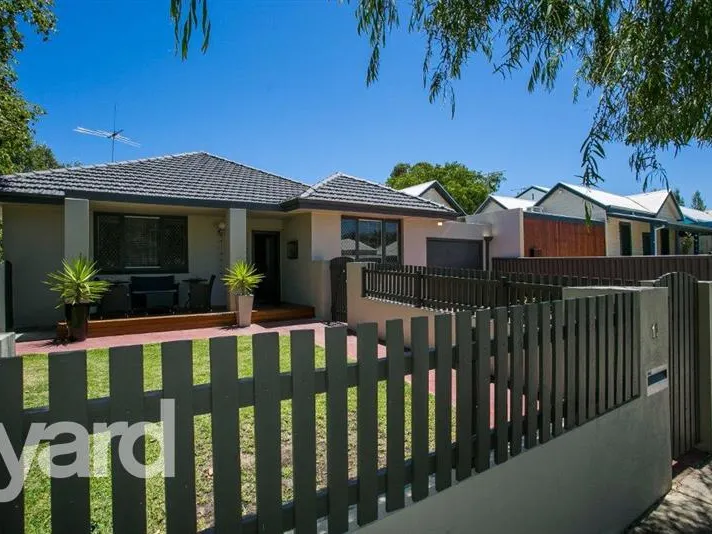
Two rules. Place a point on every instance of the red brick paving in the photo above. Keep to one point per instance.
(282, 328)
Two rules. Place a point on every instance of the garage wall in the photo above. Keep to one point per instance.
(33, 239)
(416, 231)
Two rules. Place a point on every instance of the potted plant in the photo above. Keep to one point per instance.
(78, 288)
(241, 279)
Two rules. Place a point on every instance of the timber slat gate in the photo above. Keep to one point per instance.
(683, 361)
(550, 358)
(337, 271)
(453, 289)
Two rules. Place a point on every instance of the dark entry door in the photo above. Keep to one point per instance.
(454, 253)
(665, 242)
(339, 303)
(265, 256)
(626, 239)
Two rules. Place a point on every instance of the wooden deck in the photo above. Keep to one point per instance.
(187, 321)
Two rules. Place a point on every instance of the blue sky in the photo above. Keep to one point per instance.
(282, 87)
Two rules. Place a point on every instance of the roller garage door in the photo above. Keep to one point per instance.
(454, 253)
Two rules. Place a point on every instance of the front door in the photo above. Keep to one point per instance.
(265, 256)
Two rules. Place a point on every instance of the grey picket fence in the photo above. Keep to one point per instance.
(452, 289)
(559, 363)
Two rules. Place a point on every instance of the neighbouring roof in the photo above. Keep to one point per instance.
(511, 203)
(199, 178)
(537, 187)
(506, 203)
(652, 201)
(341, 191)
(696, 215)
(420, 189)
(607, 200)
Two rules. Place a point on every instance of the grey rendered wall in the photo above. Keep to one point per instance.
(33, 240)
(507, 232)
(597, 478)
(367, 310)
(297, 273)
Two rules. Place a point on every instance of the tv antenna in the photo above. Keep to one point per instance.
(114, 135)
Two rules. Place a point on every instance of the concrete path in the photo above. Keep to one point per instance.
(687, 508)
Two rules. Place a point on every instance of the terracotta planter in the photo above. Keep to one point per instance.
(77, 321)
(243, 309)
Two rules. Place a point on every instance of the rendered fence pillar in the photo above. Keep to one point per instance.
(236, 232)
(704, 333)
(76, 227)
(7, 345)
(354, 292)
(321, 289)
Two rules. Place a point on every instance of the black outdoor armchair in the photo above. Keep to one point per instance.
(200, 295)
(116, 301)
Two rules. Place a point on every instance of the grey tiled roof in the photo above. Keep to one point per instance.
(342, 189)
(199, 178)
(196, 176)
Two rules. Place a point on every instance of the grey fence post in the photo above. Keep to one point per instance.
(7, 345)
(419, 289)
(704, 354)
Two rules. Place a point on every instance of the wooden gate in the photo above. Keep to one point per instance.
(337, 267)
(683, 367)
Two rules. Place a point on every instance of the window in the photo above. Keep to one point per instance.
(373, 240)
(140, 243)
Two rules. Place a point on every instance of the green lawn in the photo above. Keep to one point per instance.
(37, 489)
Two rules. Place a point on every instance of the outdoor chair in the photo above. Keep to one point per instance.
(116, 301)
(200, 295)
(159, 288)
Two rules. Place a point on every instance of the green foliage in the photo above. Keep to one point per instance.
(648, 64)
(686, 243)
(16, 114)
(185, 15)
(468, 187)
(698, 202)
(242, 278)
(678, 197)
(76, 282)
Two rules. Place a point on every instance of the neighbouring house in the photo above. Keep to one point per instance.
(190, 215)
(495, 203)
(533, 193)
(436, 192)
(573, 220)
(699, 218)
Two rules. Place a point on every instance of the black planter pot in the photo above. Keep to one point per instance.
(77, 316)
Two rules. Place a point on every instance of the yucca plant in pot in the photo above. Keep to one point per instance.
(78, 288)
(241, 279)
